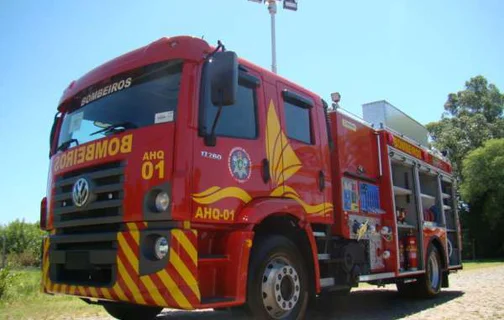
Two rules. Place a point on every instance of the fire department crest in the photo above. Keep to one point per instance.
(239, 164)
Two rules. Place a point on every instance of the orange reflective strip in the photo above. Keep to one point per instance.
(106, 293)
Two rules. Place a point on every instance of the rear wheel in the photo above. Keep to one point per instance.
(428, 285)
(277, 284)
(126, 311)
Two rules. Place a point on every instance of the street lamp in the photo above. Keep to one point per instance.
(272, 8)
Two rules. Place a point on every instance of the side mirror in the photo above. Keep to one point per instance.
(52, 134)
(224, 78)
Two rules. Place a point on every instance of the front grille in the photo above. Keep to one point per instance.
(83, 259)
(107, 196)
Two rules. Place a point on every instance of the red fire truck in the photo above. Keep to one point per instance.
(183, 177)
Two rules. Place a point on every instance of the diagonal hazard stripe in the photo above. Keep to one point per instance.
(185, 274)
(175, 292)
(128, 252)
(106, 293)
(72, 290)
(120, 293)
(186, 244)
(156, 296)
(130, 283)
(93, 292)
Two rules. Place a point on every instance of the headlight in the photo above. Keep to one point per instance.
(161, 248)
(162, 201)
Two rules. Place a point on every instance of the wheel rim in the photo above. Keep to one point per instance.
(434, 271)
(280, 287)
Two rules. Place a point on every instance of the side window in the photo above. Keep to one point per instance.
(238, 120)
(297, 120)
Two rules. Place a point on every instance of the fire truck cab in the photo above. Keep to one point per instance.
(184, 177)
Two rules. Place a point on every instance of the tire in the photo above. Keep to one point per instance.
(125, 311)
(277, 286)
(428, 285)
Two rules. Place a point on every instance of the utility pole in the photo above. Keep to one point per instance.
(272, 9)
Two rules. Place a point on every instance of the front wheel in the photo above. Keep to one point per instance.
(277, 284)
(125, 311)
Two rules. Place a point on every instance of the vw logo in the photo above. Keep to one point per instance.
(80, 192)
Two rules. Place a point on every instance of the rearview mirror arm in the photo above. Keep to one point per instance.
(210, 139)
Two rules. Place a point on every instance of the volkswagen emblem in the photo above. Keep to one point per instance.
(80, 192)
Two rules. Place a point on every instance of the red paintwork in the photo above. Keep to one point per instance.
(222, 244)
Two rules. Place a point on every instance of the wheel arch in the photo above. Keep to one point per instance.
(436, 242)
(285, 217)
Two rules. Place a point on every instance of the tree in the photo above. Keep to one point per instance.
(472, 116)
(483, 189)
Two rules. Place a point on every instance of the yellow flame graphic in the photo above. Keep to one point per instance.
(214, 194)
(288, 192)
(283, 162)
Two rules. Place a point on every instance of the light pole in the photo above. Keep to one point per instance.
(272, 8)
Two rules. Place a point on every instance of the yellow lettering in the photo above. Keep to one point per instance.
(152, 155)
(160, 169)
(199, 213)
(113, 147)
(101, 149)
(126, 143)
(56, 164)
(208, 213)
(160, 154)
(145, 156)
(80, 154)
(147, 170)
(69, 158)
(215, 214)
(90, 152)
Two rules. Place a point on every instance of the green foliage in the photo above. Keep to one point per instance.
(24, 242)
(7, 281)
(472, 116)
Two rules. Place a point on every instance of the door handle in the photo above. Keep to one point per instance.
(321, 180)
(265, 170)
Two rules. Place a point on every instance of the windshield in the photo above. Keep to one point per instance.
(139, 98)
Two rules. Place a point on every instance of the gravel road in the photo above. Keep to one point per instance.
(474, 294)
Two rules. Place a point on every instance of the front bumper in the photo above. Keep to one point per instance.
(129, 278)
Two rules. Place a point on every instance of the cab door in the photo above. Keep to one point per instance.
(229, 175)
(304, 170)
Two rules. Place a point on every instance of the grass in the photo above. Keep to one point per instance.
(481, 264)
(23, 300)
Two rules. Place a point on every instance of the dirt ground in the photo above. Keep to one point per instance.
(473, 294)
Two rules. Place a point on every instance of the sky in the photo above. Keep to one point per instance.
(411, 53)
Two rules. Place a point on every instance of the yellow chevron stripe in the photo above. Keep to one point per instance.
(186, 244)
(175, 292)
(63, 288)
(120, 293)
(184, 272)
(72, 290)
(131, 226)
(158, 298)
(135, 235)
(133, 260)
(106, 293)
(56, 288)
(130, 283)
(93, 292)
(80, 291)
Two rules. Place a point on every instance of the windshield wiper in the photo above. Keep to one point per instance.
(116, 128)
(65, 145)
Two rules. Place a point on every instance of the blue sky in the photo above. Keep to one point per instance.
(412, 53)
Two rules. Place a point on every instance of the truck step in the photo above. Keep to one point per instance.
(324, 256)
(326, 282)
(318, 234)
